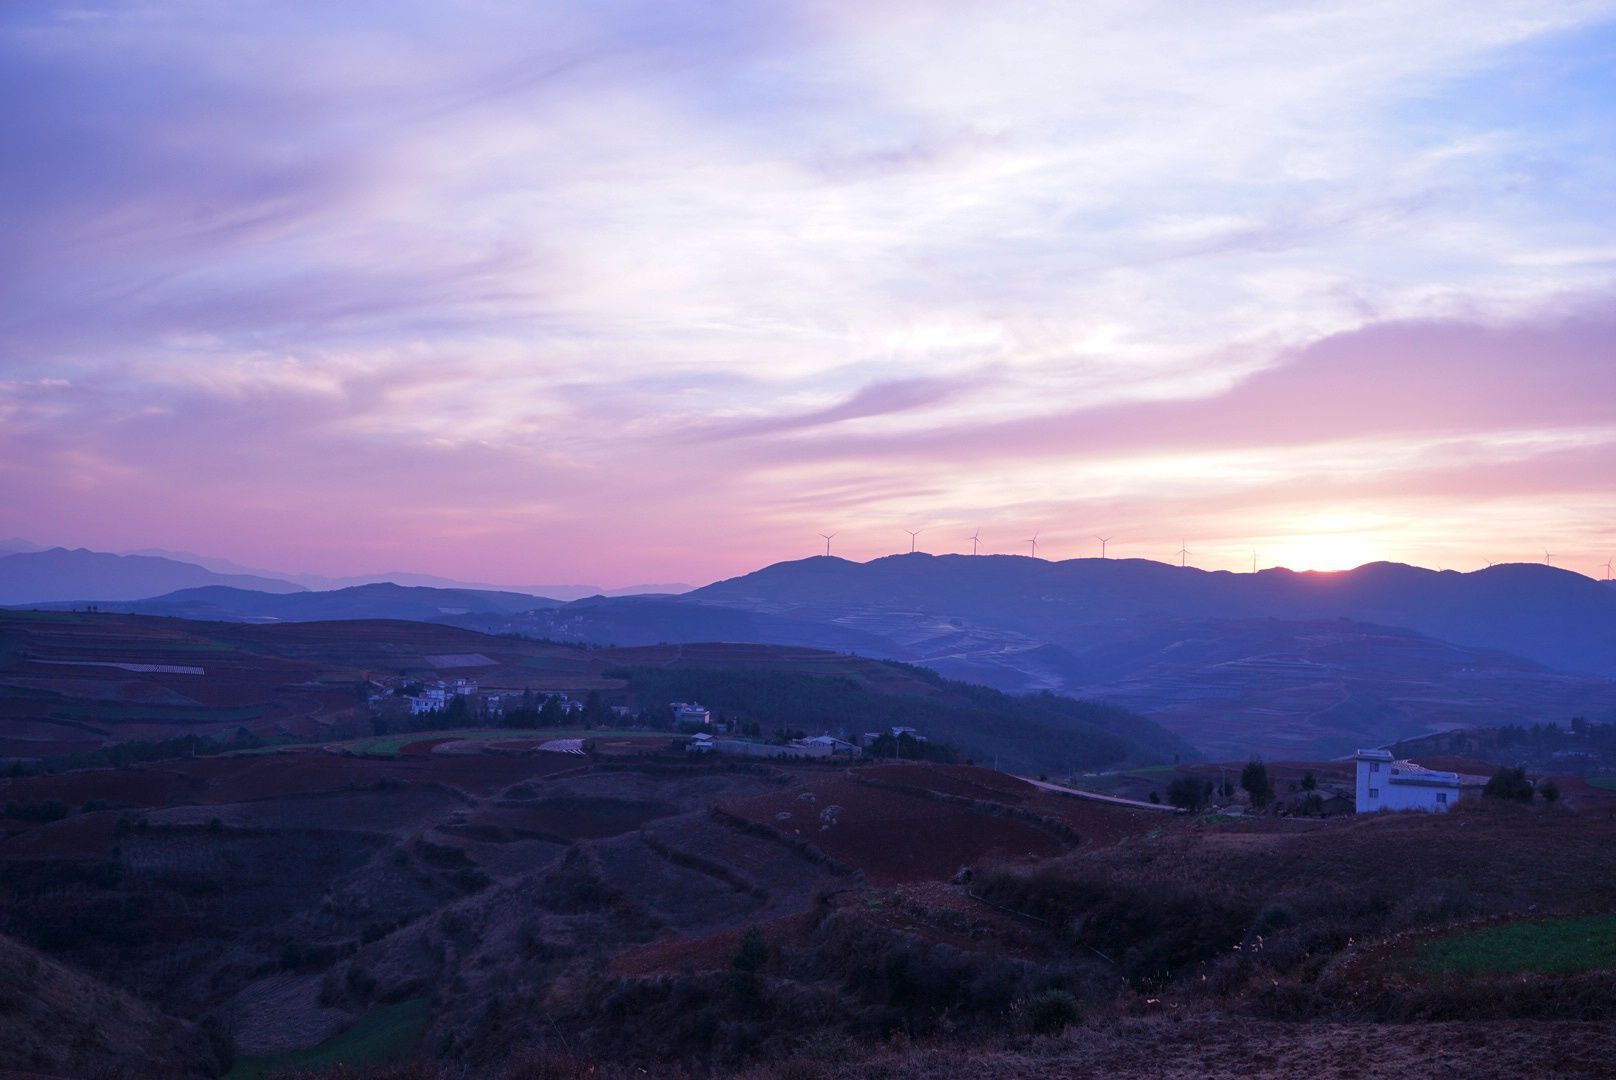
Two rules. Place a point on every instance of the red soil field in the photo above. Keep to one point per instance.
(710, 953)
(83, 836)
(892, 836)
(143, 786)
(1095, 822)
(31, 748)
(243, 778)
(573, 819)
(973, 782)
(422, 748)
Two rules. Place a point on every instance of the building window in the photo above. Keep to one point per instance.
(1374, 766)
(1442, 796)
(1374, 793)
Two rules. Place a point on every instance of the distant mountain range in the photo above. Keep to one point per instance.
(1282, 663)
(59, 574)
(404, 577)
(1555, 617)
(385, 600)
(30, 574)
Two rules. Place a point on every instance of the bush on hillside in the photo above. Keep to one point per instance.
(1189, 792)
(1509, 784)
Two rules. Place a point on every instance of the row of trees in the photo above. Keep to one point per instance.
(1194, 792)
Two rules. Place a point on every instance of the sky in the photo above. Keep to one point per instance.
(629, 292)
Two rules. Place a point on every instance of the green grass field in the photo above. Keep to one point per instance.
(199, 714)
(391, 745)
(388, 1034)
(1608, 783)
(1563, 946)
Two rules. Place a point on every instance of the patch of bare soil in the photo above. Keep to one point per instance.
(283, 1012)
(1167, 1048)
(893, 835)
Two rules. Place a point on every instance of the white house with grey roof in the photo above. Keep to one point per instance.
(1386, 783)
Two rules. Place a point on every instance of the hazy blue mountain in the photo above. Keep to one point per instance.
(380, 601)
(404, 577)
(646, 620)
(1555, 617)
(13, 545)
(59, 574)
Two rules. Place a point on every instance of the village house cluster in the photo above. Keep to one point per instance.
(705, 731)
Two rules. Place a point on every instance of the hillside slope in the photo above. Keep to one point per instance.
(57, 1021)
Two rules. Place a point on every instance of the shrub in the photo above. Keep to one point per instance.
(1509, 784)
(752, 953)
(1050, 1011)
(1550, 792)
(1189, 792)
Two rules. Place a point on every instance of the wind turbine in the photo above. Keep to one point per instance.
(975, 538)
(1183, 554)
(912, 534)
(1253, 562)
(1104, 540)
(1548, 559)
(1034, 543)
(827, 537)
(1607, 569)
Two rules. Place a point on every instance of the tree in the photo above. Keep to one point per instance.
(1509, 784)
(551, 713)
(1189, 792)
(1550, 792)
(1309, 781)
(1254, 779)
(752, 953)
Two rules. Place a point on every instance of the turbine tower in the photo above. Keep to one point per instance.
(1034, 543)
(1548, 559)
(1607, 569)
(827, 537)
(975, 538)
(1104, 540)
(1183, 554)
(912, 534)
(1253, 562)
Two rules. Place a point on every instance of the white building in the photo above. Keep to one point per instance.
(434, 697)
(1385, 783)
(689, 714)
(827, 746)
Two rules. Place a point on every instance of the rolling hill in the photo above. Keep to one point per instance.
(1555, 617)
(75, 682)
(1278, 663)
